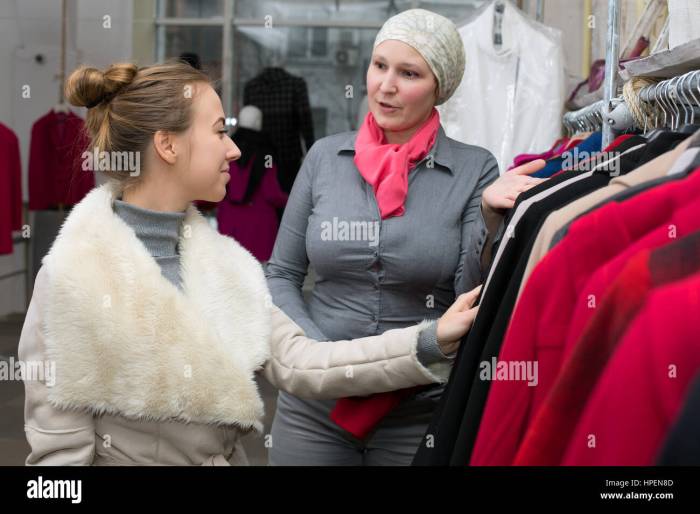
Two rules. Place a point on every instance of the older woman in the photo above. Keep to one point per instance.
(395, 221)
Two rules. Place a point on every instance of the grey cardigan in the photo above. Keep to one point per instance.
(372, 275)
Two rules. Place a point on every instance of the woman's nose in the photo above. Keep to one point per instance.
(233, 152)
(388, 84)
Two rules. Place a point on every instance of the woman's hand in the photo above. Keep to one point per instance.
(501, 194)
(457, 321)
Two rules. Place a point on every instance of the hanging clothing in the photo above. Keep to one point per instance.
(539, 326)
(583, 149)
(682, 445)
(510, 99)
(56, 175)
(284, 101)
(557, 219)
(657, 358)
(550, 431)
(10, 188)
(446, 427)
(557, 148)
(628, 238)
(253, 222)
(456, 421)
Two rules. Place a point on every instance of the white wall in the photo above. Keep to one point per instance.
(31, 27)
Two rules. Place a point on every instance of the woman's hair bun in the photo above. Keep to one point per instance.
(88, 87)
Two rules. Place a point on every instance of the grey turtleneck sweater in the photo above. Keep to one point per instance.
(160, 233)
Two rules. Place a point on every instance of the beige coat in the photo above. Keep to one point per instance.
(148, 374)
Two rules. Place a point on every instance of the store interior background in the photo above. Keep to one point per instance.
(328, 42)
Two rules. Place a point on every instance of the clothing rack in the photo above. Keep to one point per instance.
(27, 271)
(586, 119)
(612, 58)
(591, 117)
(677, 97)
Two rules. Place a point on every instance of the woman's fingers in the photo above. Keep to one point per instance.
(473, 295)
(529, 168)
(465, 300)
(452, 326)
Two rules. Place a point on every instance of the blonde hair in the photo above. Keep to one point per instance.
(127, 105)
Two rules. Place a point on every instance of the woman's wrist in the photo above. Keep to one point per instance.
(429, 349)
(490, 212)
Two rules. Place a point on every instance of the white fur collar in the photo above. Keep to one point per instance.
(126, 341)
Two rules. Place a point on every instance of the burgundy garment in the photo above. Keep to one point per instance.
(643, 386)
(10, 188)
(56, 176)
(253, 224)
(539, 326)
(549, 434)
(594, 81)
(558, 146)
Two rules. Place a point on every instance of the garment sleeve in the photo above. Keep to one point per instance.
(289, 262)
(273, 192)
(246, 94)
(56, 437)
(16, 180)
(303, 106)
(324, 370)
(37, 171)
(475, 232)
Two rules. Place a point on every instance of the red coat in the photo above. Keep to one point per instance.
(540, 323)
(56, 176)
(10, 188)
(549, 434)
(643, 386)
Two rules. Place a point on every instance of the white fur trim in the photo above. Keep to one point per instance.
(126, 341)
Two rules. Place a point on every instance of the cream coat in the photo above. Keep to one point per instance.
(148, 374)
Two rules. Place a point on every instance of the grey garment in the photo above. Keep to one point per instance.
(394, 272)
(304, 435)
(159, 232)
(428, 350)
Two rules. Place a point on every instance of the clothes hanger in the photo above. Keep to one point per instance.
(674, 100)
(659, 97)
(689, 126)
(61, 108)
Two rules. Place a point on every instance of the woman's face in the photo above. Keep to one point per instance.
(401, 88)
(208, 149)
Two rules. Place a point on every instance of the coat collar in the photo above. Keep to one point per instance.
(440, 152)
(126, 341)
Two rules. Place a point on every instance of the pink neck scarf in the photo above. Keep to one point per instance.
(385, 166)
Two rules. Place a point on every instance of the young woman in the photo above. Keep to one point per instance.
(154, 323)
(437, 203)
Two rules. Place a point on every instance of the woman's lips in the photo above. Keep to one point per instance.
(385, 107)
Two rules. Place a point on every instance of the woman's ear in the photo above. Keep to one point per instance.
(164, 145)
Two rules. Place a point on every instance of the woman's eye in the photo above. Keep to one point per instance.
(410, 74)
(379, 65)
(222, 131)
